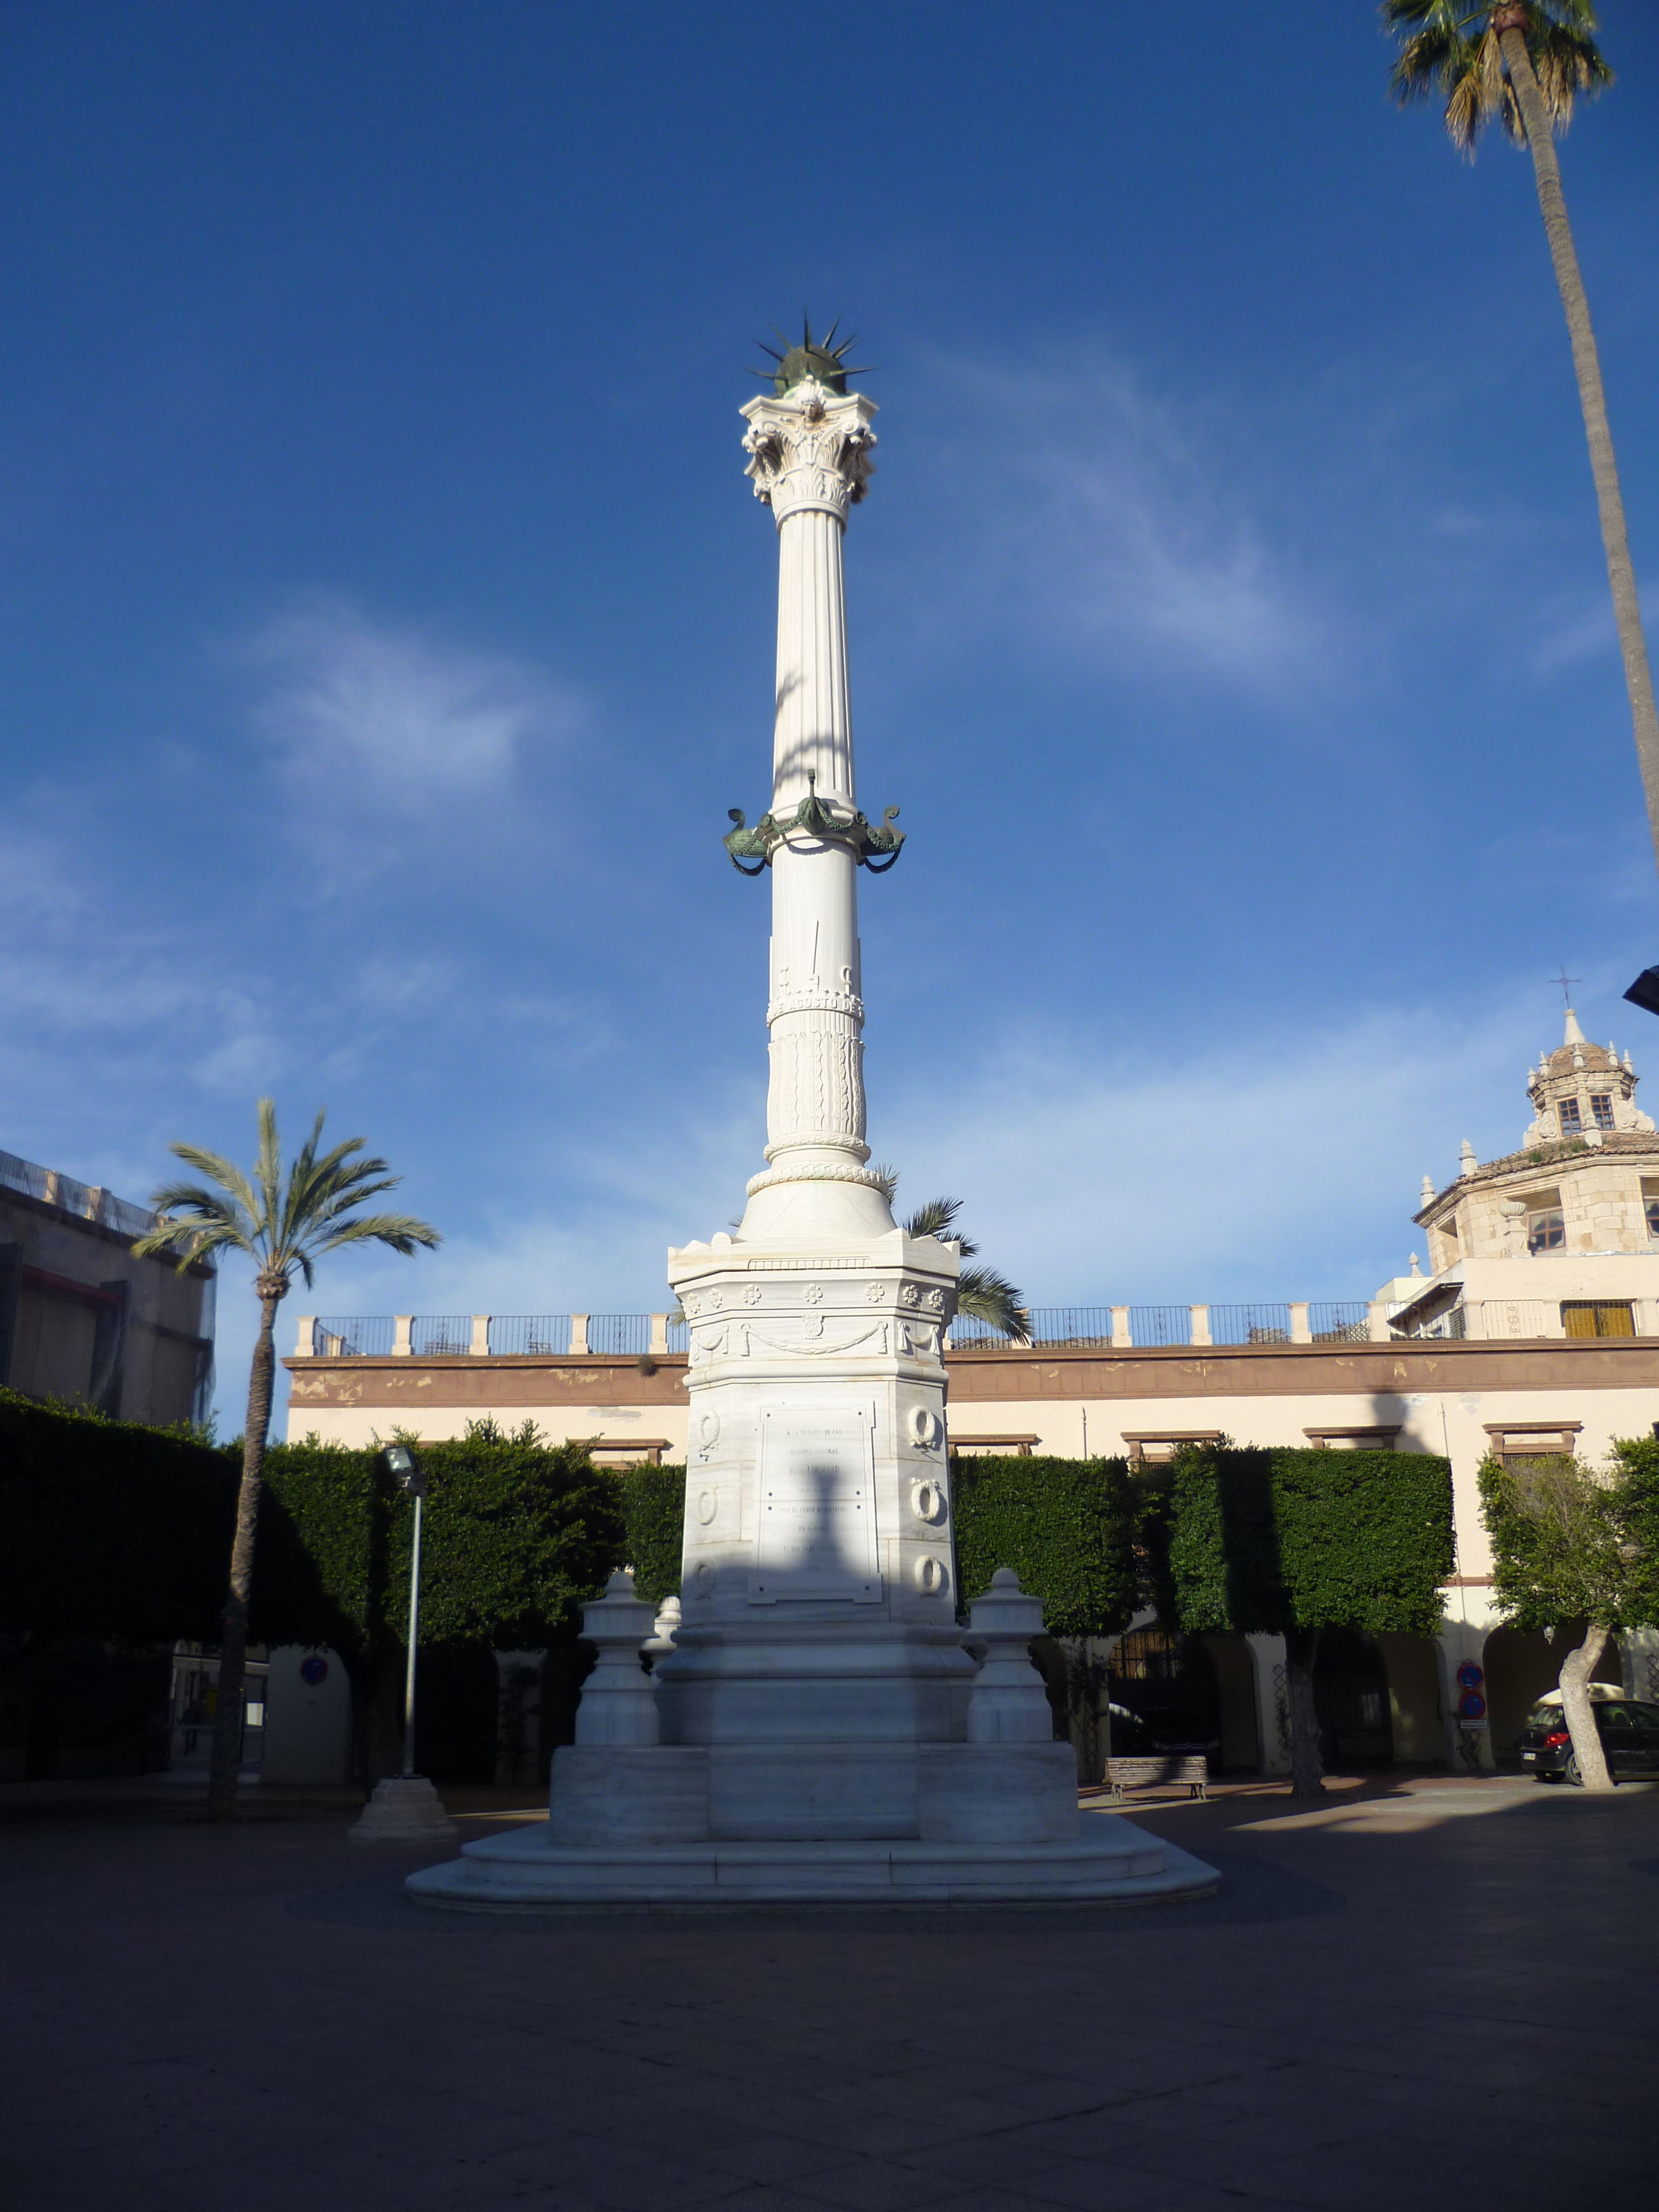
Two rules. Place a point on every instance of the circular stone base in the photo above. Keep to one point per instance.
(1110, 1861)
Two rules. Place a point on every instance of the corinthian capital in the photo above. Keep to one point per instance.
(810, 451)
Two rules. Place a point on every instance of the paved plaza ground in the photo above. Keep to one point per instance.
(1427, 1993)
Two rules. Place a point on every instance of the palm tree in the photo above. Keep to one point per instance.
(1525, 62)
(280, 1227)
(981, 1293)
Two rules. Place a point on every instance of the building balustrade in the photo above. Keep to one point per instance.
(1107, 1328)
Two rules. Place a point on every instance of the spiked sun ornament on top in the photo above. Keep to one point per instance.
(820, 359)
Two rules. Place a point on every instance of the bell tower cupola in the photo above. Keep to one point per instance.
(1582, 1089)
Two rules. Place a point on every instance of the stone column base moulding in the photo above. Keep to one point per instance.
(403, 1812)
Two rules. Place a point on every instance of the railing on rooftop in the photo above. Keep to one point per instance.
(432, 1335)
(87, 1201)
(644, 1336)
(1268, 1324)
(1160, 1324)
(361, 1336)
(1339, 1321)
(521, 1333)
(1071, 1325)
(621, 1335)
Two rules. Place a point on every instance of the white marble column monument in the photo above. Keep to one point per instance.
(816, 1730)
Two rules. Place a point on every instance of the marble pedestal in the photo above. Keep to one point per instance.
(989, 1818)
(1106, 1860)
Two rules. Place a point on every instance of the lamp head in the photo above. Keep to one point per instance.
(405, 1470)
(1644, 991)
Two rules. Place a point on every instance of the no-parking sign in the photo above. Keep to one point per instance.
(1471, 1706)
(313, 1668)
(1469, 1676)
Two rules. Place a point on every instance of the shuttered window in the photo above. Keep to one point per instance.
(1585, 1317)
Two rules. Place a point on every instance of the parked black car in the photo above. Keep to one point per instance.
(1628, 1729)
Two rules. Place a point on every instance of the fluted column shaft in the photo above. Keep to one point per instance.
(810, 460)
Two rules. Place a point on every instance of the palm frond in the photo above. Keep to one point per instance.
(282, 1223)
(217, 1168)
(322, 1219)
(888, 1177)
(1566, 63)
(985, 1296)
(933, 1217)
(192, 1238)
(403, 1232)
(937, 1218)
(268, 1168)
(1453, 51)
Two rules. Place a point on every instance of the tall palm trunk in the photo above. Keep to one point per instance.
(233, 1637)
(1579, 1713)
(1510, 23)
(1307, 1760)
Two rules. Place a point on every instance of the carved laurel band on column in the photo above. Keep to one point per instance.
(819, 1090)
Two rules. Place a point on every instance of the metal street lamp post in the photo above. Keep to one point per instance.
(406, 1810)
(406, 1471)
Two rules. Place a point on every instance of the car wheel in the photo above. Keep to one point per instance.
(1572, 1774)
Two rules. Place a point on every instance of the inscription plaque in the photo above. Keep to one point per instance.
(817, 1533)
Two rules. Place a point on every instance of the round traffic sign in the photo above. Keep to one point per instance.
(1472, 1706)
(313, 1668)
(1469, 1676)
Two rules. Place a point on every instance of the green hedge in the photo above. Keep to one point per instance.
(517, 1534)
(1638, 1462)
(1066, 1526)
(653, 1505)
(1273, 1541)
(111, 1529)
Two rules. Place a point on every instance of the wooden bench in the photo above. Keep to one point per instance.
(1176, 1770)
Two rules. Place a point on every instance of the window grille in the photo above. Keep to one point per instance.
(1590, 1317)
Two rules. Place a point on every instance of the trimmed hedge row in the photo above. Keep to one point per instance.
(1280, 1539)
(111, 1530)
(108, 1529)
(517, 1534)
(653, 1504)
(1066, 1526)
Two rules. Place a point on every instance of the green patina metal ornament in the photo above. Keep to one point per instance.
(875, 845)
(819, 358)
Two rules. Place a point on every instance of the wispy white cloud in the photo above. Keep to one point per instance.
(1124, 532)
(1565, 637)
(1285, 1168)
(362, 714)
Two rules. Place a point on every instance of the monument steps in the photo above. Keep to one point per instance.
(1109, 1862)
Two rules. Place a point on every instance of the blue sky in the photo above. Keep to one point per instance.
(386, 622)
